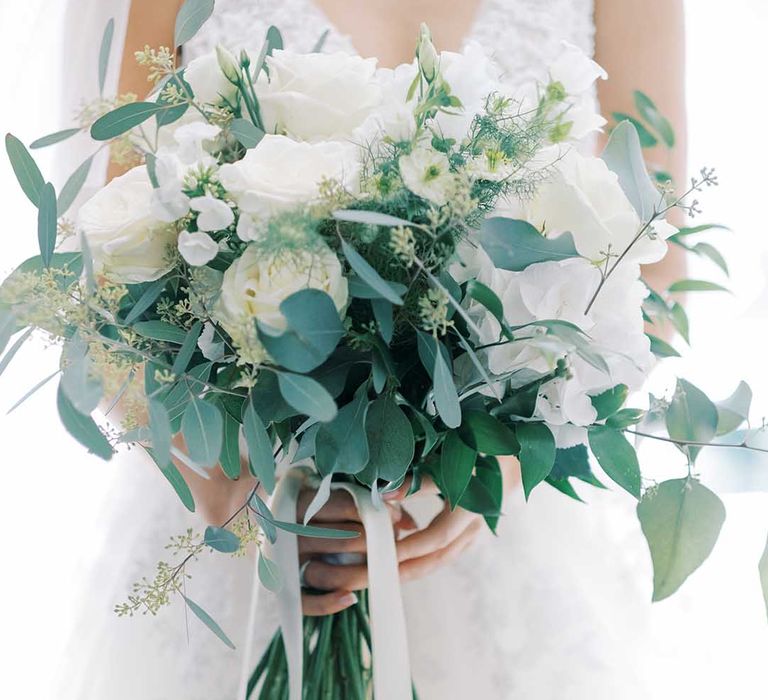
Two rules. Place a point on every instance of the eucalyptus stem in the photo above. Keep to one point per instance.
(693, 443)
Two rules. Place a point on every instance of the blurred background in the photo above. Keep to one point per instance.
(52, 494)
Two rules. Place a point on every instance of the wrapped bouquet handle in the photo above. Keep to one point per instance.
(391, 665)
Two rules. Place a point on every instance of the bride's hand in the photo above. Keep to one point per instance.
(339, 513)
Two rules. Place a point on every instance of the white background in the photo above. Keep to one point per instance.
(51, 492)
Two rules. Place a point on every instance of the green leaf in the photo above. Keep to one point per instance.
(230, 450)
(446, 396)
(274, 40)
(647, 139)
(624, 156)
(709, 251)
(171, 110)
(382, 312)
(203, 428)
(123, 119)
(514, 245)
(313, 330)
(487, 434)
(610, 401)
(192, 15)
(661, 348)
(654, 118)
(160, 427)
(72, 186)
(160, 330)
(24, 167)
(360, 290)
(201, 615)
(221, 539)
(307, 396)
(763, 571)
(248, 134)
(83, 390)
(8, 327)
(268, 400)
(269, 574)
(315, 531)
(263, 516)
(369, 275)
(681, 520)
(187, 350)
(104, 51)
(616, 456)
(390, 440)
(457, 461)
(318, 47)
(488, 298)
(176, 480)
(691, 416)
(679, 319)
(53, 138)
(537, 454)
(696, 286)
(371, 218)
(6, 360)
(148, 297)
(261, 459)
(734, 410)
(626, 417)
(32, 391)
(46, 223)
(341, 446)
(690, 230)
(83, 428)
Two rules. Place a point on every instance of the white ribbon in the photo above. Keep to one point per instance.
(391, 665)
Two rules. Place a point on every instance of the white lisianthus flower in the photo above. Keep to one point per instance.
(207, 80)
(256, 284)
(128, 244)
(318, 97)
(197, 247)
(281, 174)
(394, 116)
(213, 214)
(427, 173)
(584, 197)
(574, 70)
(193, 141)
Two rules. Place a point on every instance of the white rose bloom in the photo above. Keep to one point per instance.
(256, 284)
(207, 80)
(426, 172)
(128, 244)
(197, 247)
(394, 116)
(575, 70)
(213, 214)
(584, 197)
(281, 174)
(318, 97)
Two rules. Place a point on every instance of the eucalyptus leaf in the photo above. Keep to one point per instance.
(372, 218)
(660, 124)
(537, 454)
(681, 520)
(261, 459)
(160, 428)
(696, 286)
(248, 134)
(160, 330)
(382, 312)
(390, 440)
(72, 186)
(372, 278)
(176, 480)
(104, 51)
(691, 416)
(124, 118)
(269, 574)
(203, 428)
(8, 327)
(221, 539)
(264, 517)
(513, 244)
(274, 40)
(661, 348)
(24, 167)
(230, 449)
(647, 139)
(192, 15)
(609, 401)
(6, 359)
(457, 461)
(616, 456)
(83, 428)
(55, 137)
(734, 410)
(203, 616)
(341, 445)
(187, 350)
(83, 389)
(446, 396)
(360, 290)
(307, 396)
(315, 531)
(148, 297)
(46, 223)
(709, 251)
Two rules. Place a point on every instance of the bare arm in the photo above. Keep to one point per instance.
(641, 43)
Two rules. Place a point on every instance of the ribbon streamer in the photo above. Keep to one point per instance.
(391, 665)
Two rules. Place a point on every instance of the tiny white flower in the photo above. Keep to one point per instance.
(197, 247)
(213, 214)
(427, 173)
(211, 350)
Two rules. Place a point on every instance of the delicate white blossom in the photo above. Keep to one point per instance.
(197, 247)
(427, 173)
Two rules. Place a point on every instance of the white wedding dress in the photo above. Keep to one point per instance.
(554, 608)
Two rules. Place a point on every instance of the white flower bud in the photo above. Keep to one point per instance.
(228, 64)
(427, 54)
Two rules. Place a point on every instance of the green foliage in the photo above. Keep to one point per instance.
(457, 461)
(160, 428)
(487, 434)
(692, 417)
(660, 124)
(261, 459)
(661, 348)
(176, 480)
(610, 401)
(82, 427)
(124, 118)
(203, 616)
(104, 51)
(72, 186)
(695, 286)
(160, 330)
(366, 272)
(221, 539)
(269, 574)
(230, 449)
(514, 245)
(537, 454)
(616, 456)
(681, 520)
(203, 428)
(46, 223)
(307, 396)
(53, 138)
(82, 388)
(192, 15)
(734, 411)
(390, 441)
(24, 167)
(341, 445)
(148, 297)
(6, 359)
(246, 132)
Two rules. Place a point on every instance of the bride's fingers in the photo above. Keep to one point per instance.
(321, 545)
(333, 577)
(327, 603)
(421, 566)
(427, 486)
(340, 507)
(447, 526)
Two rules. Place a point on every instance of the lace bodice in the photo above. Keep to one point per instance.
(522, 35)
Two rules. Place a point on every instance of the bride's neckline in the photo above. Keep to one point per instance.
(331, 26)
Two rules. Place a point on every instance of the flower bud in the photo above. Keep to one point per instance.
(228, 64)
(426, 54)
(245, 59)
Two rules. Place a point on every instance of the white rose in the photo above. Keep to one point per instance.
(197, 247)
(207, 80)
(256, 284)
(394, 116)
(427, 173)
(281, 174)
(318, 97)
(128, 244)
(584, 197)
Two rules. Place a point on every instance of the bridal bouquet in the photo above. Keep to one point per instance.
(377, 274)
